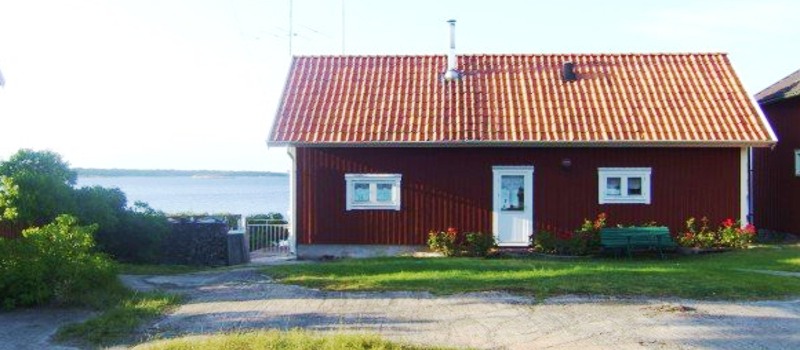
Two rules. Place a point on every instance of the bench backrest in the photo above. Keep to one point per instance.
(619, 236)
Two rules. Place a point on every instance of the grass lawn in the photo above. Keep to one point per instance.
(295, 339)
(714, 276)
(124, 311)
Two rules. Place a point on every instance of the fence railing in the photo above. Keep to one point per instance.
(268, 238)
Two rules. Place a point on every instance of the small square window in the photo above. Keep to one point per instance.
(384, 192)
(797, 162)
(634, 186)
(613, 186)
(372, 191)
(624, 185)
(361, 192)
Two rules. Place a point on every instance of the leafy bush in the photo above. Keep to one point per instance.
(729, 234)
(139, 235)
(479, 243)
(129, 234)
(271, 218)
(445, 242)
(35, 187)
(102, 206)
(544, 241)
(453, 243)
(55, 262)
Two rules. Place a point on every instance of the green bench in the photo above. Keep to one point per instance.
(629, 239)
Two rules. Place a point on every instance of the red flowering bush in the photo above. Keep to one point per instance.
(692, 237)
(732, 234)
(729, 234)
(582, 241)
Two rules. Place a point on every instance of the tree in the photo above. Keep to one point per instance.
(35, 187)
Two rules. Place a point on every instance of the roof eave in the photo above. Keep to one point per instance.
(704, 144)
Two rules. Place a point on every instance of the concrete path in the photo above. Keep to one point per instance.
(246, 299)
(33, 328)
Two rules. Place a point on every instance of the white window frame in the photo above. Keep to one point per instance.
(797, 162)
(624, 174)
(373, 180)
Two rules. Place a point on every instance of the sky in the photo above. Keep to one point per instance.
(195, 84)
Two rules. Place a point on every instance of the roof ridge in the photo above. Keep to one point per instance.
(323, 56)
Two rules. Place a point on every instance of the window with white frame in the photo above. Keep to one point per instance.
(624, 185)
(797, 162)
(373, 191)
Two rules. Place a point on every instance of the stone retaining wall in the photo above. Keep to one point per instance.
(202, 243)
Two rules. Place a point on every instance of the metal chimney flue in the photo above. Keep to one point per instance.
(452, 72)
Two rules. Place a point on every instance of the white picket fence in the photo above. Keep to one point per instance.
(270, 239)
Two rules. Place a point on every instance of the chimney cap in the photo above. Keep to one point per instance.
(568, 71)
(452, 73)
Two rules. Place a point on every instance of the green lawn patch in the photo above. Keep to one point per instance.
(294, 339)
(715, 276)
(119, 319)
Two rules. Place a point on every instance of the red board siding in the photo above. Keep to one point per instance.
(776, 187)
(444, 187)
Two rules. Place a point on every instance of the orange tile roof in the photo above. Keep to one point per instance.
(632, 99)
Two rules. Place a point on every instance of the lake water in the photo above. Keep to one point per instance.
(228, 194)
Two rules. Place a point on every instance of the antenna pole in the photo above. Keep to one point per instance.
(291, 28)
(342, 27)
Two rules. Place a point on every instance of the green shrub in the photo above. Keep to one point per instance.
(445, 242)
(479, 243)
(271, 218)
(139, 236)
(55, 263)
(544, 241)
(35, 187)
(101, 206)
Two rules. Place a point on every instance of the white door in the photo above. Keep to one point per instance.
(512, 217)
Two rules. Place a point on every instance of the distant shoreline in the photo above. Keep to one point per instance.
(90, 172)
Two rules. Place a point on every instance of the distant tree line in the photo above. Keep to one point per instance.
(157, 172)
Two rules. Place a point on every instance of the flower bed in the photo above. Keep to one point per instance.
(583, 241)
(729, 235)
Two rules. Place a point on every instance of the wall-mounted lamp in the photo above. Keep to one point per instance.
(566, 163)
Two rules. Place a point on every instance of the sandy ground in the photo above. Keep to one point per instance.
(245, 299)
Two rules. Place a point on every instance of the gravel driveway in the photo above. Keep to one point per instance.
(246, 299)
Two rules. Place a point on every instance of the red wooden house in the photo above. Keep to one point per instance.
(386, 148)
(777, 170)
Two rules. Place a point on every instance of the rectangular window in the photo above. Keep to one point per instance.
(797, 162)
(512, 192)
(623, 185)
(373, 191)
